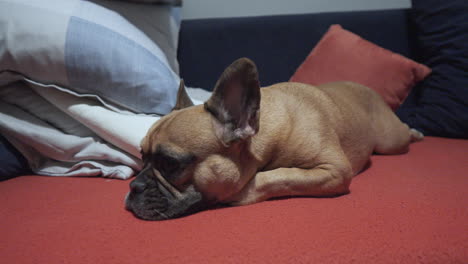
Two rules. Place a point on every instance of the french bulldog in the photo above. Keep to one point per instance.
(247, 144)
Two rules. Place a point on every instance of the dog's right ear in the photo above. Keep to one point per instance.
(183, 100)
(235, 102)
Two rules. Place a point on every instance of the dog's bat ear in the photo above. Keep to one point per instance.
(183, 100)
(235, 102)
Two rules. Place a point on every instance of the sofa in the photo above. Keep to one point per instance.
(402, 209)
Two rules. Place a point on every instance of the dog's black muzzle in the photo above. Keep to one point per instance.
(151, 197)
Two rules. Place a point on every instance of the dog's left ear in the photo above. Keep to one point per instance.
(183, 100)
(235, 102)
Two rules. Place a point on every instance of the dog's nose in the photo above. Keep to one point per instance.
(137, 186)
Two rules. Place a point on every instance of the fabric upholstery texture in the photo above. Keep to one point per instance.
(403, 209)
(277, 44)
(439, 105)
(344, 56)
(54, 143)
(12, 162)
(86, 49)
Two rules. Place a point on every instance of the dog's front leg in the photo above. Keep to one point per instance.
(321, 181)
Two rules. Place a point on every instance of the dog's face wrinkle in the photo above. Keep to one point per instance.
(151, 209)
(155, 202)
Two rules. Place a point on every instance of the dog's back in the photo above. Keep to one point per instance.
(309, 119)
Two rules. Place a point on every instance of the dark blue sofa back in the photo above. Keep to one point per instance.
(278, 44)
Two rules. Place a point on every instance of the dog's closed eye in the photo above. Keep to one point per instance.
(167, 165)
(171, 163)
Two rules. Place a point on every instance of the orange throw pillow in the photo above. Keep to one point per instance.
(344, 56)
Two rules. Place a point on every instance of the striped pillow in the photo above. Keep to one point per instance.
(85, 49)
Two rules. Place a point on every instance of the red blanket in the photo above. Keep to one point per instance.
(403, 209)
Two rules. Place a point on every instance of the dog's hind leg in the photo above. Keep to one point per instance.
(392, 135)
(416, 135)
(396, 138)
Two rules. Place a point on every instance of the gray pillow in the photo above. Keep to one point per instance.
(86, 49)
(161, 23)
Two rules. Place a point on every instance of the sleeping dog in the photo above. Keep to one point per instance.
(246, 145)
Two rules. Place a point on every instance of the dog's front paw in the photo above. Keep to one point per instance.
(245, 197)
(243, 202)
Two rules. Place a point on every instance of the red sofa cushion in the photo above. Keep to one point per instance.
(403, 209)
(344, 56)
